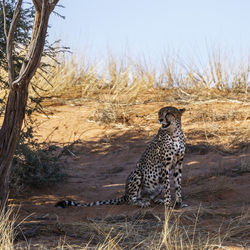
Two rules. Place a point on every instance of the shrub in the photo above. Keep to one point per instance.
(34, 164)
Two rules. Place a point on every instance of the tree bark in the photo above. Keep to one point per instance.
(18, 95)
(9, 135)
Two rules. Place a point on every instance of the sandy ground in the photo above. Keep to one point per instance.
(101, 158)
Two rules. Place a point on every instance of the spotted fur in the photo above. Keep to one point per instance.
(151, 176)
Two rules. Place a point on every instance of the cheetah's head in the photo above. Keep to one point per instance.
(168, 117)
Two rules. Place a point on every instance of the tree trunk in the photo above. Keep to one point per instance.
(18, 95)
(9, 135)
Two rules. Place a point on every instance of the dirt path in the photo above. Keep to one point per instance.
(101, 158)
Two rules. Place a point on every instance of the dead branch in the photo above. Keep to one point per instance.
(4, 20)
(10, 38)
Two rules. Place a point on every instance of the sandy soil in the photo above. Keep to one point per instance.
(98, 163)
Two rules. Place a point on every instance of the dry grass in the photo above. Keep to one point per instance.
(127, 81)
(146, 230)
(224, 124)
(216, 95)
(7, 226)
(174, 231)
(112, 113)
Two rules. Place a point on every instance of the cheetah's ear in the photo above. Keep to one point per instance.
(182, 110)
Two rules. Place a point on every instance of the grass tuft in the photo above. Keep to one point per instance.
(7, 226)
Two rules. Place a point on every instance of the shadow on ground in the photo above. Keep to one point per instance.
(215, 185)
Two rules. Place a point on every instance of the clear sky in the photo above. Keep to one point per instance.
(153, 27)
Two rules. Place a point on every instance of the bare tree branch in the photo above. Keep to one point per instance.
(57, 14)
(9, 44)
(4, 20)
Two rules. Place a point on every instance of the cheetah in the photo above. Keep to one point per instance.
(151, 176)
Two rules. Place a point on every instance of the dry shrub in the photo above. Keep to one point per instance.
(112, 113)
(225, 124)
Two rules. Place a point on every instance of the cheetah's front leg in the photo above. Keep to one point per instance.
(134, 188)
(166, 186)
(177, 181)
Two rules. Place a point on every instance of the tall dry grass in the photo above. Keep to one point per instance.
(152, 232)
(127, 80)
(7, 226)
(171, 232)
(176, 235)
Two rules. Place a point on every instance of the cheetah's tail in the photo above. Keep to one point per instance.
(68, 203)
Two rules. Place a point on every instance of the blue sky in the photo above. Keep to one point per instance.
(152, 28)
